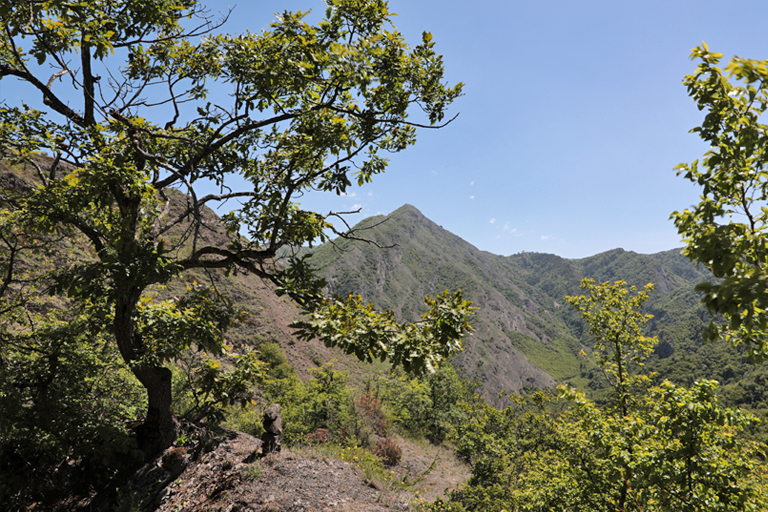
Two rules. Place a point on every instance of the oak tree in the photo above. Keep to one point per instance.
(132, 114)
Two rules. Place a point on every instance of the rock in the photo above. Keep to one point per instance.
(255, 454)
(174, 460)
(273, 430)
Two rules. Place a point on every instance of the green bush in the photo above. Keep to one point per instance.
(64, 410)
(430, 406)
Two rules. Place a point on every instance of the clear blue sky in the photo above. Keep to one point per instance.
(573, 117)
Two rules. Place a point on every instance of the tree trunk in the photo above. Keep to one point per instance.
(158, 431)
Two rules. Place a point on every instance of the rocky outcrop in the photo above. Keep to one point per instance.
(271, 440)
(215, 477)
(273, 429)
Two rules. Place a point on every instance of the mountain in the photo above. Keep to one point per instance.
(526, 336)
(525, 333)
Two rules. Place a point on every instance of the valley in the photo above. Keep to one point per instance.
(525, 335)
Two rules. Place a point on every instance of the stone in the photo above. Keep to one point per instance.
(273, 430)
(255, 454)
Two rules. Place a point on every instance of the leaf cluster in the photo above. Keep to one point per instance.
(726, 230)
(358, 329)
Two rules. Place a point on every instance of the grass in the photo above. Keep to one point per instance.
(558, 358)
(253, 471)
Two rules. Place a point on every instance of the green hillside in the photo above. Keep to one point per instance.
(525, 334)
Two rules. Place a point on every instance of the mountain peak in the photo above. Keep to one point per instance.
(407, 208)
(523, 336)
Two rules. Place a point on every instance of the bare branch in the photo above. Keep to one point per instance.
(54, 166)
(56, 75)
(217, 144)
(350, 233)
(49, 99)
(39, 171)
(205, 199)
(243, 259)
(361, 115)
(203, 29)
(172, 122)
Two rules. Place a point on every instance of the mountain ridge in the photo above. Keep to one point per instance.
(525, 334)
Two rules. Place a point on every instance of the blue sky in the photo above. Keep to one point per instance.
(573, 117)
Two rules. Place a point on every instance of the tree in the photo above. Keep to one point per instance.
(648, 447)
(64, 391)
(309, 108)
(727, 231)
(651, 447)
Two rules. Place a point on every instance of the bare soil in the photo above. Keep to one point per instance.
(217, 475)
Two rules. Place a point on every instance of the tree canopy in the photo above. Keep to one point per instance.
(131, 124)
(648, 447)
(727, 231)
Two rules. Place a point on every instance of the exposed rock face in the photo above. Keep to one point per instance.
(174, 460)
(14, 183)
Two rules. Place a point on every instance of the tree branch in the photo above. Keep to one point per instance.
(49, 99)
(8, 278)
(241, 259)
(214, 146)
(88, 80)
(349, 233)
(200, 202)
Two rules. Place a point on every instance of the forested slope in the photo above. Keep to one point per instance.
(525, 333)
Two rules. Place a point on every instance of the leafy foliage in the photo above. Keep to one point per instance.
(615, 322)
(312, 108)
(205, 387)
(64, 407)
(649, 448)
(726, 231)
(358, 329)
(429, 406)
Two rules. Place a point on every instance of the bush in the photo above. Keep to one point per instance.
(325, 402)
(319, 436)
(389, 451)
(430, 406)
(369, 408)
(63, 421)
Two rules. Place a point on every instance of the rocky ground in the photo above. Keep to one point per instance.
(219, 474)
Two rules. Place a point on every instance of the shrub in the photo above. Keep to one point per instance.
(63, 412)
(371, 412)
(319, 436)
(389, 451)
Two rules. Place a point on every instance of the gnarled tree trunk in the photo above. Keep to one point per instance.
(158, 431)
